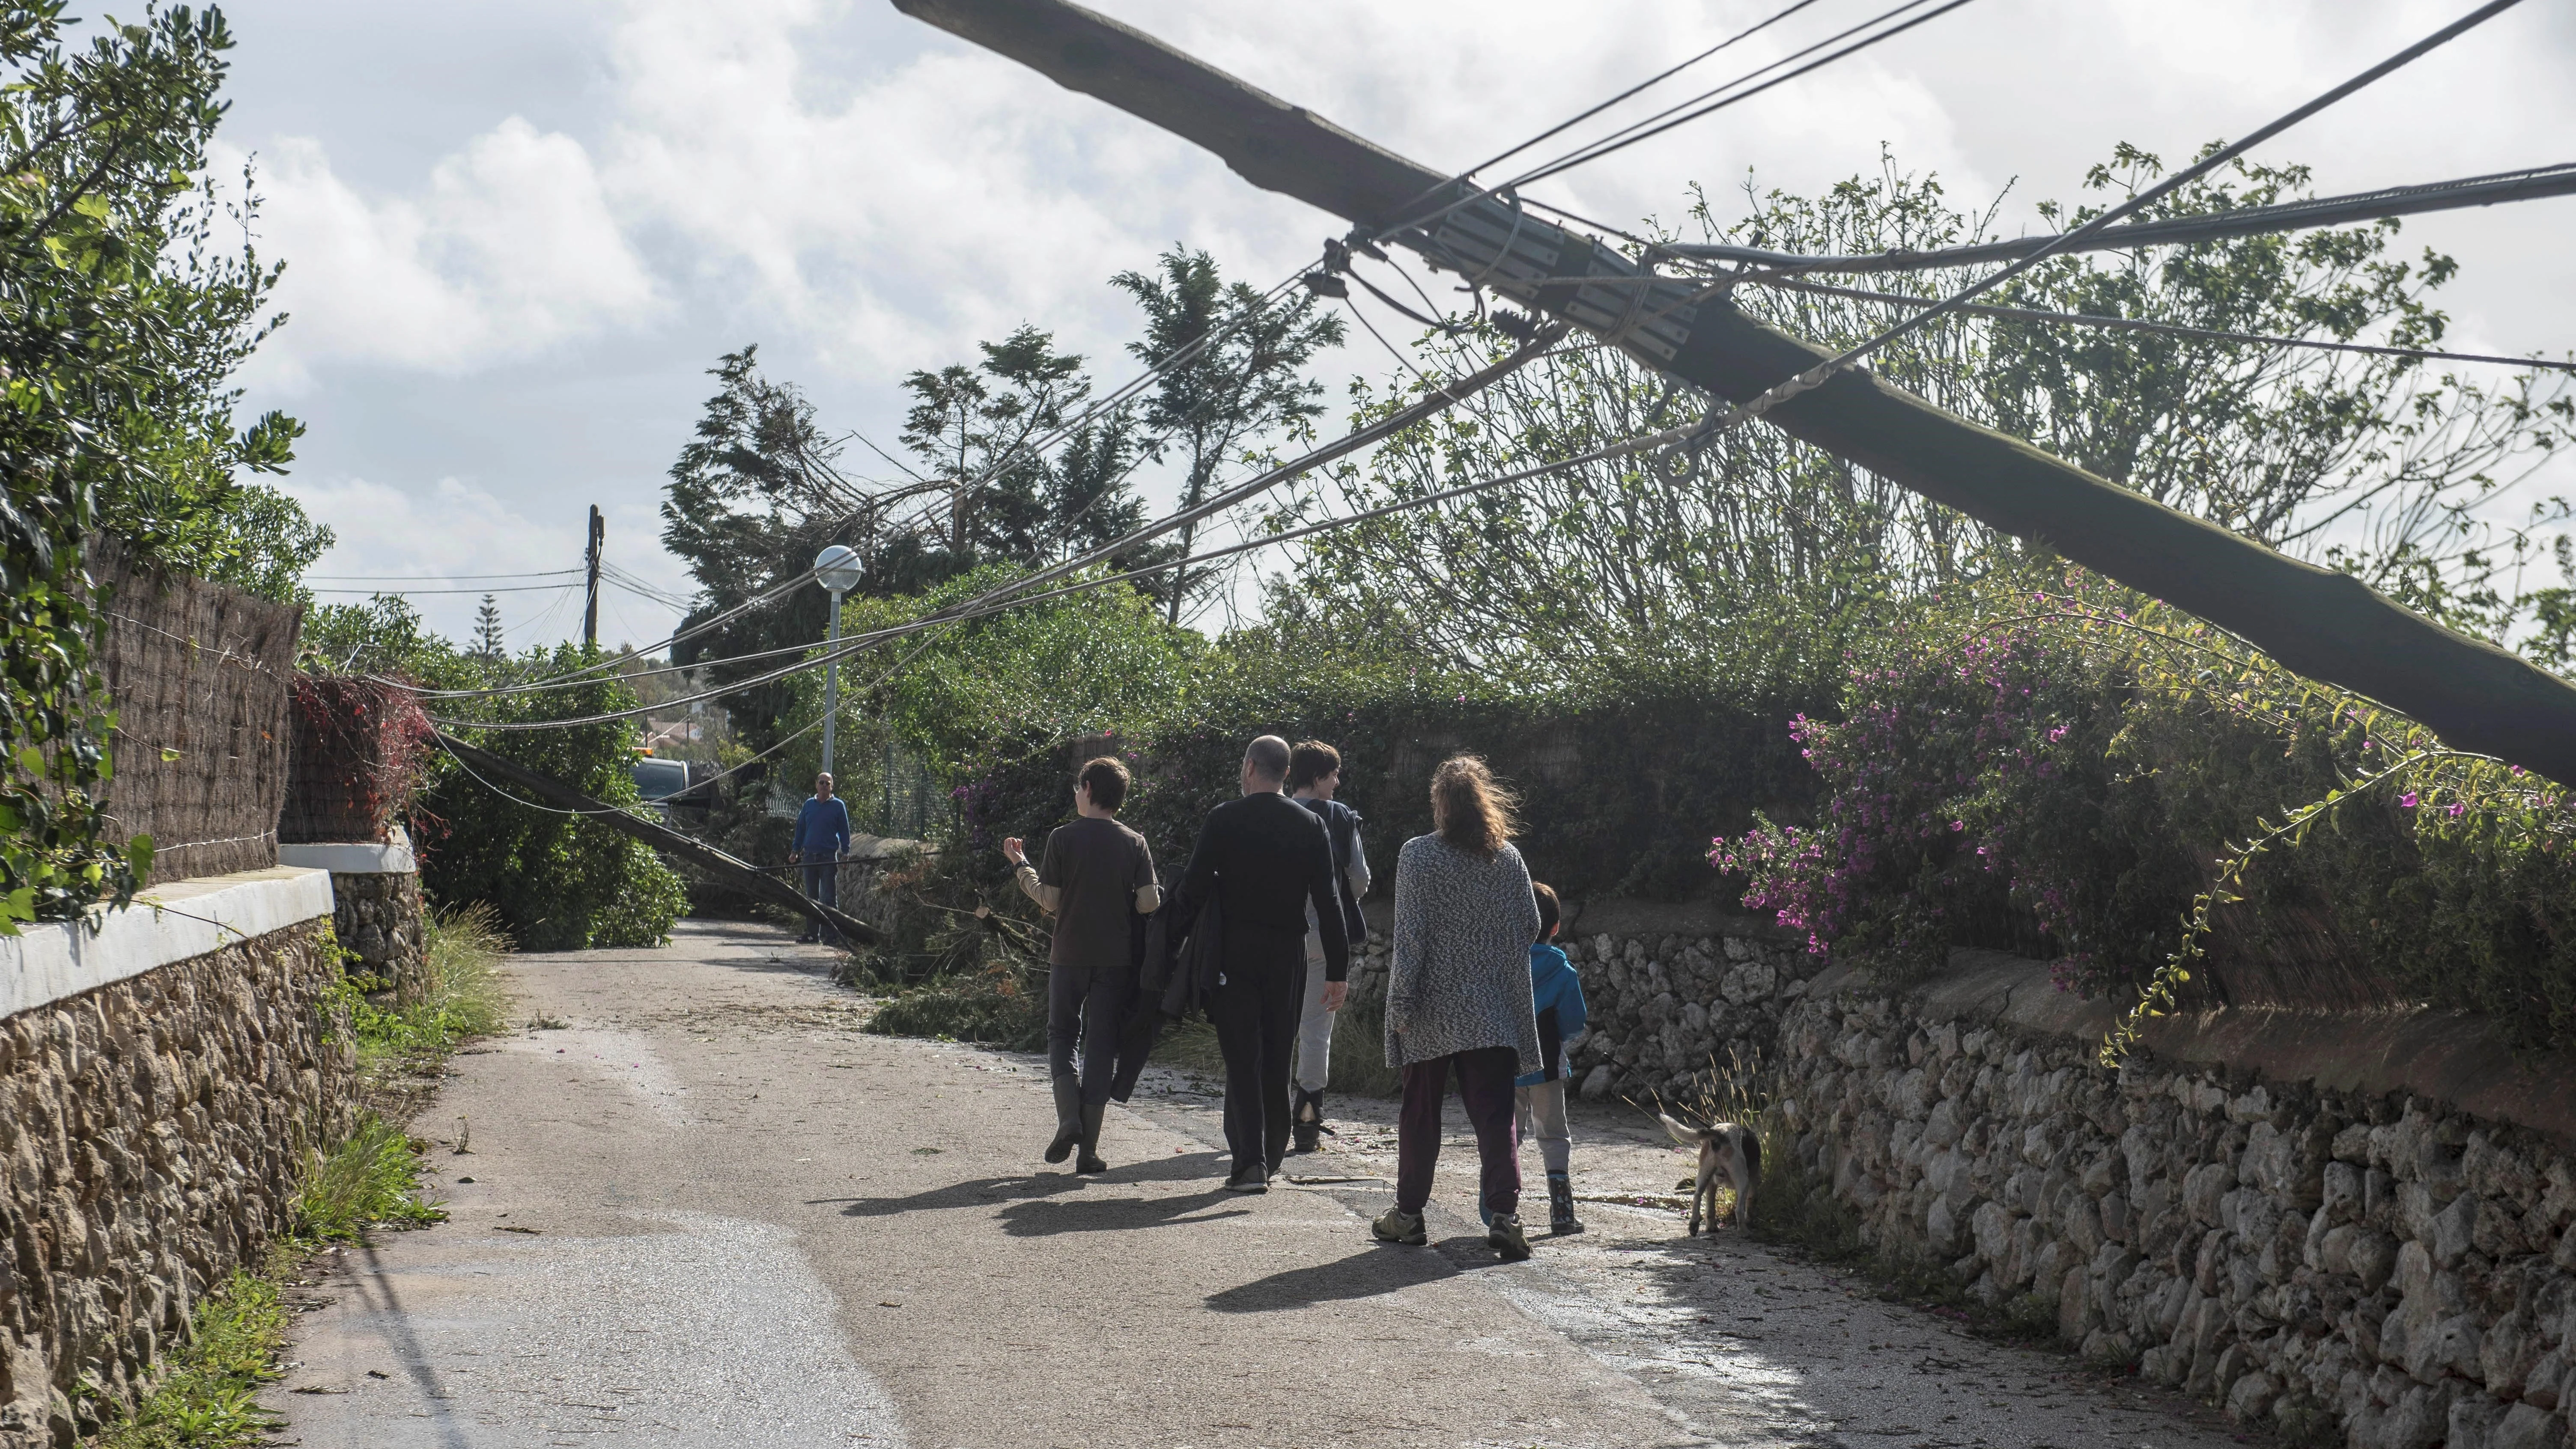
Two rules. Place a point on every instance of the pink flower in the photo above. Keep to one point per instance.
(2406, 801)
(1958, 824)
(2458, 810)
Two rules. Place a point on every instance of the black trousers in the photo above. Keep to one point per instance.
(1254, 1010)
(1091, 1006)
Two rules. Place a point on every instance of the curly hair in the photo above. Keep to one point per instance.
(1470, 808)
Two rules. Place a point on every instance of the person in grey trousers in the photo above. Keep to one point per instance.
(1314, 774)
(1458, 999)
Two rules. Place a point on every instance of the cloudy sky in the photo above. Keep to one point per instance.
(517, 234)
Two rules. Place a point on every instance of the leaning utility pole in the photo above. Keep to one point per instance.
(590, 609)
(2325, 625)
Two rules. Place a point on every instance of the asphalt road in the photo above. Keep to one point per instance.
(695, 1205)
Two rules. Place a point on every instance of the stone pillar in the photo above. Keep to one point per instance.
(376, 909)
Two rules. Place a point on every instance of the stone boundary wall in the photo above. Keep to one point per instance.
(376, 908)
(2291, 1217)
(152, 1128)
(1671, 991)
(381, 921)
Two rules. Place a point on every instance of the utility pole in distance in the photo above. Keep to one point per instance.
(590, 610)
(2325, 625)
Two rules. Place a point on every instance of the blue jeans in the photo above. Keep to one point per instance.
(822, 886)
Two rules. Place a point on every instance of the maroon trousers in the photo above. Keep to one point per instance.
(1485, 1085)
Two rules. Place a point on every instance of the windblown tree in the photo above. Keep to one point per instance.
(1220, 395)
(761, 490)
(1008, 462)
(1757, 559)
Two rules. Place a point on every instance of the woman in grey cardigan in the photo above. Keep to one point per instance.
(1458, 997)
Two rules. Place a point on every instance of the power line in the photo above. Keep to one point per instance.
(1647, 84)
(2528, 185)
(2140, 324)
(440, 578)
(1642, 129)
(1816, 376)
(419, 593)
(1718, 100)
(1349, 443)
(571, 677)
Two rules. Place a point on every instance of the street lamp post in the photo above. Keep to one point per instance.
(837, 570)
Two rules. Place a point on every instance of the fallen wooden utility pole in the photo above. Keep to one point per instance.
(661, 837)
(2325, 625)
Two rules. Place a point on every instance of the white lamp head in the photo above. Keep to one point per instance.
(837, 568)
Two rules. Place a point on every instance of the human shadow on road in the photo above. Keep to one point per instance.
(1046, 1217)
(1367, 1273)
(974, 1192)
(984, 1191)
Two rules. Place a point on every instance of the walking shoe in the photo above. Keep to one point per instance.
(1089, 1160)
(1306, 1119)
(1068, 1118)
(1395, 1225)
(1560, 1205)
(1248, 1179)
(1505, 1237)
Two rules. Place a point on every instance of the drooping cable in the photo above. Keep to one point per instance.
(1243, 492)
(1717, 98)
(2140, 324)
(2528, 185)
(1649, 83)
(1720, 420)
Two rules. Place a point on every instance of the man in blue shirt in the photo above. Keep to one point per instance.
(822, 836)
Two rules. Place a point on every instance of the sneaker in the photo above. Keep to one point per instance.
(1560, 1205)
(1505, 1237)
(1396, 1225)
(1306, 1119)
(1249, 1179)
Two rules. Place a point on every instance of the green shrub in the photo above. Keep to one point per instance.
(2052, 765)
(556, 882)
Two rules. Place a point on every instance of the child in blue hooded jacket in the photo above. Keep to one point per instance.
(1558, 997)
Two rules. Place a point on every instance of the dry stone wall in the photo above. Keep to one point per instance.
(2353, 1229)
(1670, 991)
(150, 1134)
(379, 917)
(2344, 1263)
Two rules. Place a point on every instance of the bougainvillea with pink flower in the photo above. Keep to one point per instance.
(2071, 772)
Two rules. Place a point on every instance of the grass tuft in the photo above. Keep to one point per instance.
(461, 995)
(207, 1395)
(372, 1179)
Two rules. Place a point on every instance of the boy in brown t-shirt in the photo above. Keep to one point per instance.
(1096, 873)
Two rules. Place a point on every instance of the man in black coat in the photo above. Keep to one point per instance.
(1263, 859)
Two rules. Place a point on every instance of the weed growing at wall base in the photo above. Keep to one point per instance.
(207, 1397)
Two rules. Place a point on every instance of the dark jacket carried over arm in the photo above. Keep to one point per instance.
(1267, 858)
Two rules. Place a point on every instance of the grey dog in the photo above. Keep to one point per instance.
(1726, 1149)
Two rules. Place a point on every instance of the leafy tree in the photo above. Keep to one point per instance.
(120, 325)
(1762, 559)
(1216, 399)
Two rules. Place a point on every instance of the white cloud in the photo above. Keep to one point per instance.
(401, 538)
(510, 248)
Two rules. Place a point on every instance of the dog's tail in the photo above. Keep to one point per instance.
(1686, 1135)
